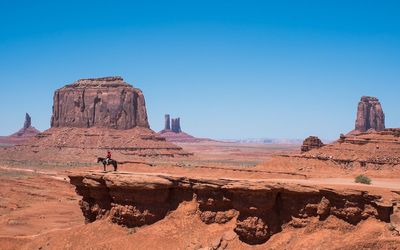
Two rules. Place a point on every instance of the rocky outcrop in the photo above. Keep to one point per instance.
(259, 207)
(22, 135)
(373, 150)
(172, 131)
(27, 130)
(311, 142)
(172, 125)
(176, 125)
(28, 121)
(167, 125)
(370, 115)
(106, 102)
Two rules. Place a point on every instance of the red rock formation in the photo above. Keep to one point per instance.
(27, 130)
(370, 115)
(167, 125)
(28, 121)
(174, 133)
(373, 150)
(90, 117)
(311, 142)
(261, 207)
(107, 102)
(22, 135)
(176, 125)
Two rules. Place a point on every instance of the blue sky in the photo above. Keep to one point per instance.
(229, 69)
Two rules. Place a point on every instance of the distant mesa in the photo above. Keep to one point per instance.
(172, 131)
(370, 116)
(22, 135)
(310, 143)
(91, 116)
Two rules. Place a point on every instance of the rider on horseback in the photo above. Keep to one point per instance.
(108, 158)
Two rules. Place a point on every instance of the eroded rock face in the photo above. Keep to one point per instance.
(107, 102)
(311, 142)
(260, 208)
(369, 115)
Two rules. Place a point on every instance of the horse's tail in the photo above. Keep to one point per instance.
(115, 164)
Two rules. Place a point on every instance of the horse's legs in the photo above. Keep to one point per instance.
(104, 165)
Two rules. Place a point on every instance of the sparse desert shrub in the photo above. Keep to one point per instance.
(363, 179)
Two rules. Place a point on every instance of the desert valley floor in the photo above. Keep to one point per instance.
(39, 208)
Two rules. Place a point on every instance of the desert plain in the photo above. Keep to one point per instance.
(193, 193)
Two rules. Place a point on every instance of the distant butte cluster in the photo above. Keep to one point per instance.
(173, 124)
(172, 131)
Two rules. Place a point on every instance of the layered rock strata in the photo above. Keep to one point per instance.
(260, 208)
(84, 145)
(310, 143)
(372, 150)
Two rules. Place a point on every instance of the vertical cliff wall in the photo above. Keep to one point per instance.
(369, 115)
(107, 102)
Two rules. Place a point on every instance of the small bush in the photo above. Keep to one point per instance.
(363, 179)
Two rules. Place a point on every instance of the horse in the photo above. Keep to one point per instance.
(110, 162)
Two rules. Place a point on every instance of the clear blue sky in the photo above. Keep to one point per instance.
(229, 69)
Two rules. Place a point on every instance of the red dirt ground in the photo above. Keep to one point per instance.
(39, 208)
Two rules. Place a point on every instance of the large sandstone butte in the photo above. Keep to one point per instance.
(90, 117)
(370, 115)
(107, 102)
(22, 135)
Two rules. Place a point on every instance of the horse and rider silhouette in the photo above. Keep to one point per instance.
(108, 161)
